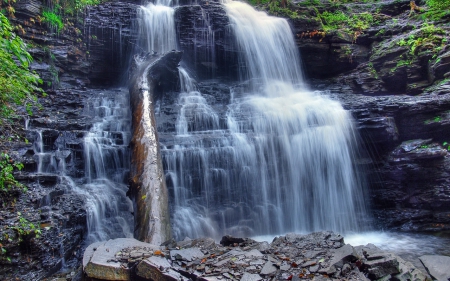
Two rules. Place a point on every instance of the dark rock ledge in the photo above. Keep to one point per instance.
(315, 256)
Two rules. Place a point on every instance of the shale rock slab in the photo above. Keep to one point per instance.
(437, 266)
(100, 261)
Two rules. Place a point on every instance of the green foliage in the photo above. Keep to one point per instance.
(18, 85)
(58, 9)
(435, 119)
(7, 180)
(429, 37)
(258, 2)
(340, 20)
(71, 7)
(437, 9)
(275, 8)
(372, 70)
(25, 228)
(381, 32)
(333, 21)
(310, 3)
(53, 20)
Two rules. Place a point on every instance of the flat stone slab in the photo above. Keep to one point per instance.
(157, 269)
(250, 277)
(99, 259)
(187, 254)
(438, 266)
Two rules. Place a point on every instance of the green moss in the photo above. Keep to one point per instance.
(53, 20)
(275, 8)
(429, 36)
(340, 20)
(258, 2)
(437, 9)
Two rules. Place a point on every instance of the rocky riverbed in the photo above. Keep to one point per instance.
(315, 256)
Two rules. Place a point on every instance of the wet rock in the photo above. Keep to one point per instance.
(110, 39)
(229, 240)
(441, 66)
(437, 266)
(411, 163)
(203, 36)
(264, 247)
(414, 150)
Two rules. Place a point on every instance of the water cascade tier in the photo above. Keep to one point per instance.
(259, 156)
(97, 167)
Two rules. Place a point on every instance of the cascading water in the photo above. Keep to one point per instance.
(106, 159)
(278, 159)
(266, 45)
(157, 27)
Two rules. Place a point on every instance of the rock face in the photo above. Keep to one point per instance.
(208, 46)
(153, 76)
(321, 255)
(111, 40)
(50, 204)
(407, 174)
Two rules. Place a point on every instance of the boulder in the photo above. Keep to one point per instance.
(100, 261)
(437, 266)
(384, 265)
(408, 272)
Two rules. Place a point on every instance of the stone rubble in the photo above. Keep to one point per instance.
(316, 256)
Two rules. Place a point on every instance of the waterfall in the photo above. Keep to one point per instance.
(157, 27)
(266, 45)
(279, 158)
(107, 159)
(106, 162)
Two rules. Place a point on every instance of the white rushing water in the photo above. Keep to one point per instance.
(107, 158)
(281, 159)
(266, 44)
(157, 27)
